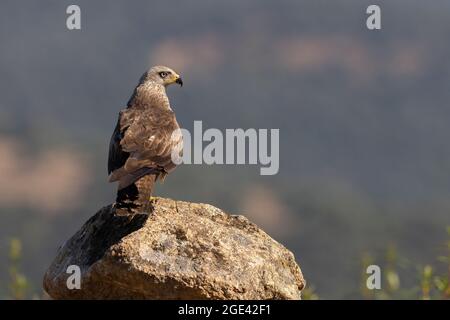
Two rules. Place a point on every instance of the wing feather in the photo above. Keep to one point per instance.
(142, 139)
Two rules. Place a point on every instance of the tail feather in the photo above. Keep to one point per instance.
(128, 178)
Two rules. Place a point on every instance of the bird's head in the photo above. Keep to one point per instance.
(163, 75)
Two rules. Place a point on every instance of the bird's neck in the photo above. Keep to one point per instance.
(148, 95)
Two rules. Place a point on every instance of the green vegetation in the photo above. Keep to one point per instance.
(429, 281)
(18, 286)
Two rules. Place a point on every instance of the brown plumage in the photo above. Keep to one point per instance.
(146, 135)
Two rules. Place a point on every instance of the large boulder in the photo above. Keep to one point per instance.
(180, 251)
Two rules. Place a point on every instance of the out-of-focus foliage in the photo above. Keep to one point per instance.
(309, 293)
(18, 286)
(427, 282)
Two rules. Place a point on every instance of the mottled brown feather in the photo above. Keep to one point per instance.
(142, 142)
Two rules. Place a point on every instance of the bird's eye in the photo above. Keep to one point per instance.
(163, 74)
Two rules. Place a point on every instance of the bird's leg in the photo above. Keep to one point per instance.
(145, 188)
(125, 201)
(161, 175)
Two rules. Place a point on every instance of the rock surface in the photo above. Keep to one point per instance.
(180, 251)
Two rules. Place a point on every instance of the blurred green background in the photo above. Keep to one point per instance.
(363, 118)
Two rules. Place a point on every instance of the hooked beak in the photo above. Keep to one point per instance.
(179, 81)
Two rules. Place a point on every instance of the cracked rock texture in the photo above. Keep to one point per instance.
(180, 251)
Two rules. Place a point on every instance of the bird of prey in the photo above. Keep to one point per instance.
(146, 134)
